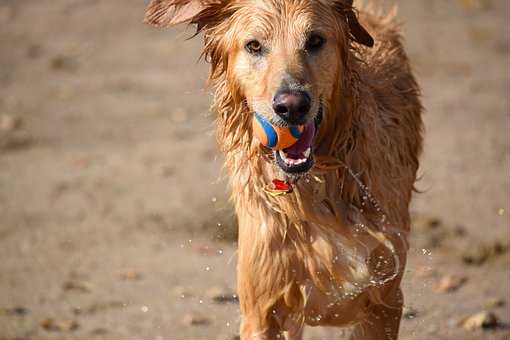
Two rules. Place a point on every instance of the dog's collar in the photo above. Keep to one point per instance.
(279, 188)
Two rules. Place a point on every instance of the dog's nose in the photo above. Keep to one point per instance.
(292, 106)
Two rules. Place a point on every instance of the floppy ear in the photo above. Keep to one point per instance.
(166, 13)
(358, 32)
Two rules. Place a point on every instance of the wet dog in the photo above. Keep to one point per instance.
(329, 248)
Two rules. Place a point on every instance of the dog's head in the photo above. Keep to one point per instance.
(284, 58)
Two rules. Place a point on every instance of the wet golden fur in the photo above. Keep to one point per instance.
(324, 255)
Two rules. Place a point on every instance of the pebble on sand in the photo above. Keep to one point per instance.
(477, 256)
(9, 122)
(59, 325)
(16, 311)
(495, 303)
(195, 320)
(221, 295)
(450, 283)
(409, 313)
(481, 320)
(130, 275)
(77, 286)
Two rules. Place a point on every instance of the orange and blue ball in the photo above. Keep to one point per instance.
(275, 137)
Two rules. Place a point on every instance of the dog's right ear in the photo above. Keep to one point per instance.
(166, 13)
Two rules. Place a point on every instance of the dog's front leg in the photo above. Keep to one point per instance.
(251, 329)
(294, 334)
(382, 322)
(254, 292)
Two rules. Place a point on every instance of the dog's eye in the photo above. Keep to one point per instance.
(314, 43)
(254, 47)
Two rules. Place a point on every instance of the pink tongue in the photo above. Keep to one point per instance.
(304, 142)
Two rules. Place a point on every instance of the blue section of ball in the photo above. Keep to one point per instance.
(294, 131)
(272, 137)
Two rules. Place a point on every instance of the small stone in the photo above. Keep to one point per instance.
(495, 303)
(475, 5)
(477, 256)
(195, 320)
(130, 275)
(59, 326)
(459, 231)
(482, 320)
(221, 295)
(63, 63)
(426, 222)
(450, 283)
(409, 313)
(15, 311)
(76, 286)
(97, 307)
(10, 123)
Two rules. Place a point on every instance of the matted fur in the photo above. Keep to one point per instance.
(324, 255)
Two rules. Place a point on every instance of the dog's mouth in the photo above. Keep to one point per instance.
(298, 159)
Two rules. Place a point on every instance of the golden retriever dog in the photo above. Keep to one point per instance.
(323, 224)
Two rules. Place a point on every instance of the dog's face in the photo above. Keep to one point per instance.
(287, 60)
(286, 57)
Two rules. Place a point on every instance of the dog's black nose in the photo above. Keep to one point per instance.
(292, 106)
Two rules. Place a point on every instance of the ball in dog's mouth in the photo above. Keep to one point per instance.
(298, 159)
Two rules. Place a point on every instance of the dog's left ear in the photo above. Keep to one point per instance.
(358, 33)
(166, 13)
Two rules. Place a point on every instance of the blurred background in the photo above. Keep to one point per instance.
(114, 217)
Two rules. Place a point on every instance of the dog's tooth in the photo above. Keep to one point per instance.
(308, 152)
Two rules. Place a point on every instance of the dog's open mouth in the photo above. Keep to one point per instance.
(298, 159)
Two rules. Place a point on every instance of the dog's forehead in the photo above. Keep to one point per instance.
(272, 16)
